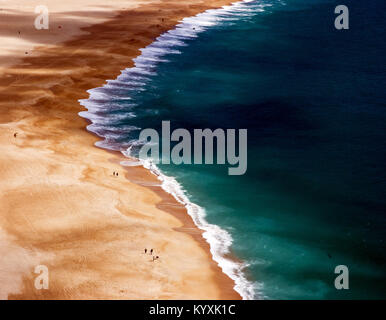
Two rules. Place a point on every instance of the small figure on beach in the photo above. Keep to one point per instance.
(151, 251)
(145, 250)
(15, 134)
(155, 258)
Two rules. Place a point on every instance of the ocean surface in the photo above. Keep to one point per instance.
(313, 101)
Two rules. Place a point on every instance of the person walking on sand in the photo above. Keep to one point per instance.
(15, 134)
(145, 250)
(151, 251)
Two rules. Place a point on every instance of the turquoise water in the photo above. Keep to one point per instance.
(313, 101)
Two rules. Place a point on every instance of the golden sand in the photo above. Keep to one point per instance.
(60, 204)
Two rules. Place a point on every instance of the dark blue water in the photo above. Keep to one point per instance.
(313, 101)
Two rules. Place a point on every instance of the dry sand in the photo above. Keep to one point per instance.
(60, 204)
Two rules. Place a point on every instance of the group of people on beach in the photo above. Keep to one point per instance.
(115, 174)
(151, 253)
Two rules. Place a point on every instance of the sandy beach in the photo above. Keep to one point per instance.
(60, 204)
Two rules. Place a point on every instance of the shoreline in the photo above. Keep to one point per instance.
(43, 123)
(219, 240)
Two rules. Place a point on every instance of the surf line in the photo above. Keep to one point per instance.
(99, 102)
(219, 239)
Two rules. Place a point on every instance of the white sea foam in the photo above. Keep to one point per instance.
(100, 119)
(219, 239)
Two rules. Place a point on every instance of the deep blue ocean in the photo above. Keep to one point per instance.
(313, 101)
